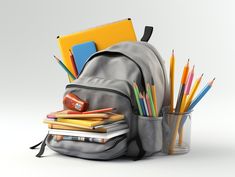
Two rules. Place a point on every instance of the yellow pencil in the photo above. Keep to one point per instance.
(187, 104)
(154, 93)
(172, 73)
(192, 93)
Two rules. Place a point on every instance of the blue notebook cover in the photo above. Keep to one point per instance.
(82, 52)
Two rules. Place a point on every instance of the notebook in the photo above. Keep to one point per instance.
(81, 53)
(108, 135)
(103, 36)
(112, 128)
(92, 123)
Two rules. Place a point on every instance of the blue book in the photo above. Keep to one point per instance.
(82, 52)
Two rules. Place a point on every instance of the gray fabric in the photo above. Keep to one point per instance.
(106, 81)
(150, 131)
(110, 150)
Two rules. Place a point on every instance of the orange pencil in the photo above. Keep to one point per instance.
(182, 87)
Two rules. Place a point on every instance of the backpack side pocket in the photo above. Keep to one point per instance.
(150, 132)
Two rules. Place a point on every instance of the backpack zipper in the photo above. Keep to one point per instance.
(102, 89)
(93, 56)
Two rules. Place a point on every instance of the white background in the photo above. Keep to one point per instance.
(32, 83)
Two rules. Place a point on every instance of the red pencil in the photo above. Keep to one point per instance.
(73, 64)
(99, 111)
(89, 112)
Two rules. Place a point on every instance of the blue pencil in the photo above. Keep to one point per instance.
(142, 105)
(200, 95)
(145, 106)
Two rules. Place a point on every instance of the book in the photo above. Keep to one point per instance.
(107, 135)
(82, 52)
(81, 116)
(82, 139)
(103, 36)
(92, 123)
(110, 128)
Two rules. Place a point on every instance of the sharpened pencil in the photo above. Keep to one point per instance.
(65, 68)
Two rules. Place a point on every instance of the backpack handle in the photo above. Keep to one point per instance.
(148, 30)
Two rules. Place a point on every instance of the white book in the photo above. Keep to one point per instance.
(108, 135)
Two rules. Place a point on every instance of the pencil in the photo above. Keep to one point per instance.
(151, 100)
(73, 63)
(201, 95)
(104, 110)
(148, 105)
(172, 73)
(182, 87)
(145, 104)
(136, 91)
(65, 68)
(154, 93)
(142, 104)
(192, 93)
(187, 90)
(194, 103)
(188, 102)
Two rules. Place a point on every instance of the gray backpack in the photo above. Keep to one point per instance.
(106, 81)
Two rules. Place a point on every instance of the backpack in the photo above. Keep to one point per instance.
(106, 81)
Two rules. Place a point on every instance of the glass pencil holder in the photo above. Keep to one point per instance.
(176, 132)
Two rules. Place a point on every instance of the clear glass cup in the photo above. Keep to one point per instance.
(178, 127)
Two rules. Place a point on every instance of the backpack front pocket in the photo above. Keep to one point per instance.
(112, 149)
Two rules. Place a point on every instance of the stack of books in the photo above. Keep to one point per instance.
(91, 127)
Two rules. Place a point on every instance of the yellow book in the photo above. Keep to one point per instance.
(66, 127)
(103, 36)
(92, 123)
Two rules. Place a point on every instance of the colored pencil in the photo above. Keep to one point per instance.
(148, 105)
(136, 91)
(154, 93)
(145, 105)
(73, 63)
(193, 103)
(65, 68)
(172, 73)
(201, 95)
(142, 104)
(151, 100)
(182, 87)
(192, 93)
(104, 110)
(187, 90)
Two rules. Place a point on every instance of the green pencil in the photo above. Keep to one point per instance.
(151, 99)
(64, 67)
(136, 90)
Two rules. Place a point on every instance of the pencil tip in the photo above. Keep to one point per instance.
(56, 57)
(211, 82)
(202, 74)
(173, 52)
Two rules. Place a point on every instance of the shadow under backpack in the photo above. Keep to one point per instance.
(106, 81)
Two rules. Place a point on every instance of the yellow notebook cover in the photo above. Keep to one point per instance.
(103, 36)
(92, 123)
